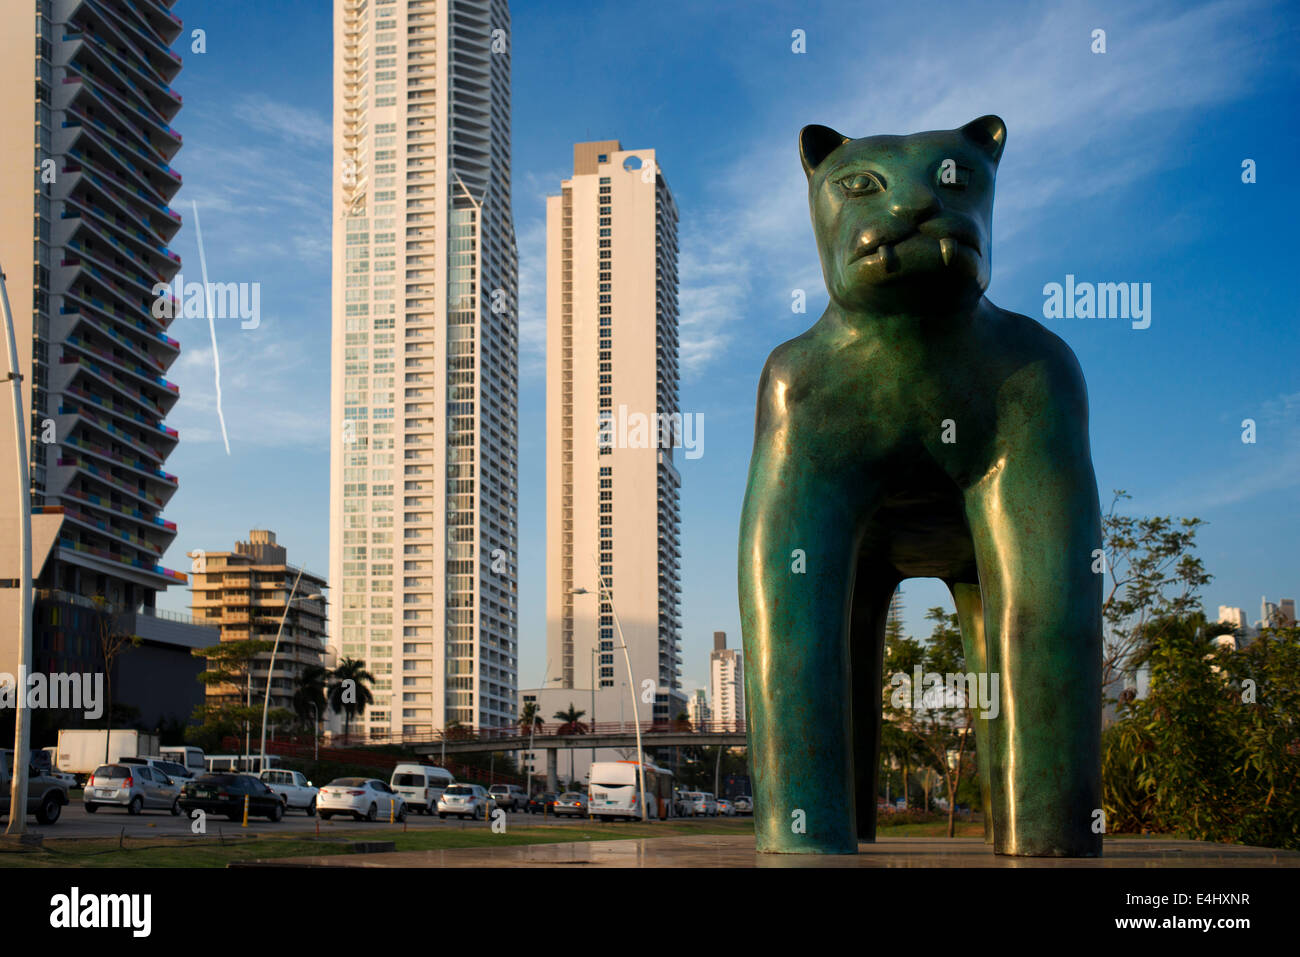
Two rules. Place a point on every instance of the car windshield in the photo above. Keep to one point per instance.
(459, 789)
(221, 779)
(112, 771)
(571, 796)
(348, 783)
(408, 780)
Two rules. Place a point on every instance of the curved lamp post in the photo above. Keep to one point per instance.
(631, 684)
(270, 672)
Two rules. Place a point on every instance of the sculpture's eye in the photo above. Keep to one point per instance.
(952, 176)
(860, 184)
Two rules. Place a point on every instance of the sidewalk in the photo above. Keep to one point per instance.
(738, 851)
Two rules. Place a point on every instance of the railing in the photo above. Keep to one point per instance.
(551, 729)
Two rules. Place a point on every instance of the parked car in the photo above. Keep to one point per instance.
(420, 785)
(366, 799)
(135, 787)
(699, 804)
(725, 808)
(541, 803)
(226, 794)
(508, 797)
(47, 795)
(295, 791)
(571, 804)
(464, 800)
(744, 804)
(179, 774)
(43, 761)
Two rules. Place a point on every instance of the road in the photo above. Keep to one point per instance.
(109, 822)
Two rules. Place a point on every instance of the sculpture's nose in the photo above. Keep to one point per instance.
(915, 203)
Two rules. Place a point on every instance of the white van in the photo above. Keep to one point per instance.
(186, 756)
(420, 785)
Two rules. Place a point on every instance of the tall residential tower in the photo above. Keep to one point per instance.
(424, 391)
(612, 488)
(86, 146)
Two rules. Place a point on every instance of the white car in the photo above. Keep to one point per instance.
(366, 799)
(725, 808)
(297, 793)
(464, 800)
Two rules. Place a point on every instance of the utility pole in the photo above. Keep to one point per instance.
(22, 716)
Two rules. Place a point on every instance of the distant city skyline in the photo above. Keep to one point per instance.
(1139, 151)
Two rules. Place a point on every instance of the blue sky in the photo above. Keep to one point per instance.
(1119, 167)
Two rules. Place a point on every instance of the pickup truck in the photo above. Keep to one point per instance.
(47, 795)
(295, 791)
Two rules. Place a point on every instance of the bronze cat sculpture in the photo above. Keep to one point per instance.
(917, 430)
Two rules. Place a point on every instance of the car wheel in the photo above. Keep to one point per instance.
(176, 808)
(136, 805)
(49, 811)
(372, 813)
(326, 815)
(277, 812)
(401, 813)
(441, 816)
(91, 808)
(311, 808)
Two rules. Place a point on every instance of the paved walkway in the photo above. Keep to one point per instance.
(738, 851)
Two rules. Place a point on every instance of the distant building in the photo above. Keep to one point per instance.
(1234, 616)
(1277, 615)
(698, 709)
(243, 593)
(726, 683)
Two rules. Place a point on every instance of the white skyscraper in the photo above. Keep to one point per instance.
(612, 504)
(726, 684)
(425, 361)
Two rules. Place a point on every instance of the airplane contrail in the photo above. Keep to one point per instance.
(212, 328)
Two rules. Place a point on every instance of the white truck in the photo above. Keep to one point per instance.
(80, 752)
(297, 793)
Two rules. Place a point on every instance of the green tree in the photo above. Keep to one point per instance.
(570, 721)
(1152, 575)
(348, 691)
(228, 710)
(309, 699)
(940, 731)
(530, 717)
(114, 640)
(1213, 750)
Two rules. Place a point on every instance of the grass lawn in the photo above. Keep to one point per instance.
(212, 852)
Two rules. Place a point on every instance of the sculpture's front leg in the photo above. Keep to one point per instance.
(797, 554)
(1035, 520)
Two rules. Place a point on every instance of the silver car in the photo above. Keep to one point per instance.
(135, 787)
(464, 800)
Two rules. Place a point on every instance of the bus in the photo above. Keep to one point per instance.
(615, 791)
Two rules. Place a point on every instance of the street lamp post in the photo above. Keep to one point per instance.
(270, 672)
(22, 716)
(631, 682)
(315, 731)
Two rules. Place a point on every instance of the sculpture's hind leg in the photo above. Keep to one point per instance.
(874, 585)
(970, 617)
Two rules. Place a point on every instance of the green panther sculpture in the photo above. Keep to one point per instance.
(917, 430)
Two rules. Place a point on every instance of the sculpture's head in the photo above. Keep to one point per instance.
(904, 222)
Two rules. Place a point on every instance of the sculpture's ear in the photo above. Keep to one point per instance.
(816, 143)
(989, 133)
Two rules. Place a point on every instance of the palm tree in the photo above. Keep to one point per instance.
(529, 717)
(347, 692)
(309, 697)
(571, 725)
